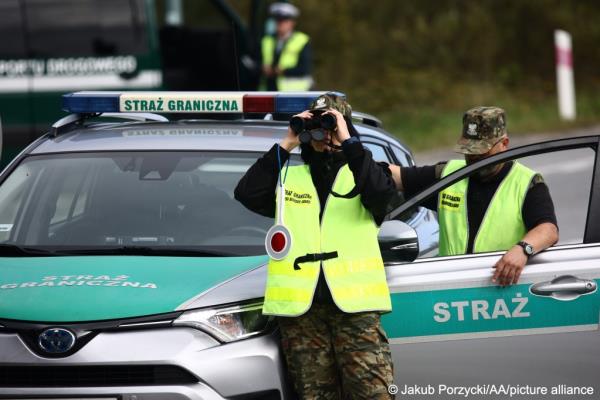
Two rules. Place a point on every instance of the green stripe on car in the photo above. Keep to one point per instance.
(484, 310)
(87, 288)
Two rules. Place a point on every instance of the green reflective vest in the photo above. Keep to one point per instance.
(502, 226)
(356, 278)
(288, 59)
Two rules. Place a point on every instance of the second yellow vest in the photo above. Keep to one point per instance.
(288, 59)
(502, 226)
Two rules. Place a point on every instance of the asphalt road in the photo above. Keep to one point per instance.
(568, 175)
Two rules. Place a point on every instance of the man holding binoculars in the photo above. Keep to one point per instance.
(329, 287)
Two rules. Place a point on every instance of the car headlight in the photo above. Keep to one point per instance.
(227, 324)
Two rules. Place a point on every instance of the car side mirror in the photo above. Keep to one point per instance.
(398, 242)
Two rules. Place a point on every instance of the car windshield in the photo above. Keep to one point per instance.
(94, 202)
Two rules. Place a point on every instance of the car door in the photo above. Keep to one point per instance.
(451, 325)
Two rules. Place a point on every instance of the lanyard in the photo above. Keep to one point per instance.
(281, 193)
(279, 239)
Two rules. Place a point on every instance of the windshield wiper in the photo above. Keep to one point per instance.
(13, 250)
(144, 251)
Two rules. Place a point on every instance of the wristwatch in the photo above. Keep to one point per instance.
(527, 248)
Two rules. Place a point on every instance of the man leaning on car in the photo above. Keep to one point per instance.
(506, 206)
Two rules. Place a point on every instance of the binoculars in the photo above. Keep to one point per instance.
(313, 129)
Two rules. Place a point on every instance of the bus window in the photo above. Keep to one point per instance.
(71, 28)
(202, 28)
(12, 43)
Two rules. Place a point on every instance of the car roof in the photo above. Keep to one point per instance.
(240, 135)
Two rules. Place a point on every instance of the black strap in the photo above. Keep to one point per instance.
(314, 257)
(361, 181)
(334, 146)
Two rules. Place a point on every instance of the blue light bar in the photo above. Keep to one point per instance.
(91, 102)
(293, 103)
(188, 102)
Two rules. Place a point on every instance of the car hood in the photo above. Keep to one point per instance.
(90, 288)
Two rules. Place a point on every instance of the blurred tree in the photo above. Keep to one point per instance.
(433, 51)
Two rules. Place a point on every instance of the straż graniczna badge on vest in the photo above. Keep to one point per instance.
(279, 239)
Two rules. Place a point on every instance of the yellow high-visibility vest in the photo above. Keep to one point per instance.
(288, 59)
(502, 226)
(356, 278)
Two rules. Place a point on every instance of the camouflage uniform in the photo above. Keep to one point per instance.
(483, 127)
(331, 354)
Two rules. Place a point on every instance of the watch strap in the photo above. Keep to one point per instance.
(525, 245)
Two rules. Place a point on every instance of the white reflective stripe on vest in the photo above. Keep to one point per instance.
(300, 84)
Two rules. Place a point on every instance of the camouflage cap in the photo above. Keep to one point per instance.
(334, 100)
(483, 127)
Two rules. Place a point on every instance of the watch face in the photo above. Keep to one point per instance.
(529, 249)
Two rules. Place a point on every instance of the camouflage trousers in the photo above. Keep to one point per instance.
(335, 355)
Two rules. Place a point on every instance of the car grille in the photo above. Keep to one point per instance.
(101, 375)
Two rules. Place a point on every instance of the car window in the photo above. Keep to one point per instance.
(12, 195)
(568, 177)
(73, 192)
(91, 200)
(378, 151)
(85, 27)
(403, 158)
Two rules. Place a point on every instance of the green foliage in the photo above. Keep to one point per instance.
(432, 127)
(422, 64)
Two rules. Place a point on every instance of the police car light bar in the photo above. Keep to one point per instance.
(188, 102)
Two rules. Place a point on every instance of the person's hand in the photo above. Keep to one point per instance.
(291, 140)
(267, 71)
(277, 71)
(342, 132)
(510, 266)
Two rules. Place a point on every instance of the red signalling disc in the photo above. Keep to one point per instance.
(278, 242)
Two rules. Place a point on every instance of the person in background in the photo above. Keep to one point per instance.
(287, 55)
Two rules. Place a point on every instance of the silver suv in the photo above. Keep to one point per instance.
(128, 271)
(127, 268)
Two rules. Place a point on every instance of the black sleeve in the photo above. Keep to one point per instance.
(416, 179)
(256, 189)
(538, 206)
(379, 188)
(304, 65)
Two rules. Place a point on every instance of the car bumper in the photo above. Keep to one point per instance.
(250, 369)
(190, 392)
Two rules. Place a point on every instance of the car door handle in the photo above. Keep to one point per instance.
(566, 287)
